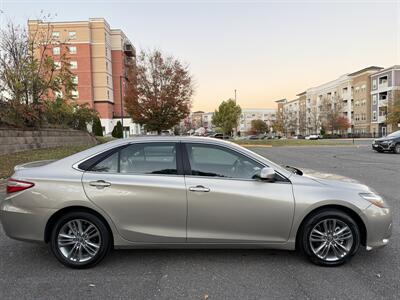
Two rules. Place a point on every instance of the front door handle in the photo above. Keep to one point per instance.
(100, 184)
(199, 188)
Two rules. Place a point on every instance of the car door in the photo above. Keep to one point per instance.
(141, 187)
(227, 205)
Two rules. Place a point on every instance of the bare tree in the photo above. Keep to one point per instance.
(331, 113)
(28, 73)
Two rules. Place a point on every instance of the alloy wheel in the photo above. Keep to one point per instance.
(331, 239)
(79, 240)
(397, 149)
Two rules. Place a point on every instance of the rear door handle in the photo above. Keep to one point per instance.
(100, 184)
(199, 188)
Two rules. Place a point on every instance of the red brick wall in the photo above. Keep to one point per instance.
(117, 57)
(105, 109)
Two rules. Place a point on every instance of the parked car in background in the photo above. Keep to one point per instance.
(221, 136)
(312, 137)
(299, 137)
(188, 192)
(390, 142)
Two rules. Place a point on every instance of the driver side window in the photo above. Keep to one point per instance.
(216, 161)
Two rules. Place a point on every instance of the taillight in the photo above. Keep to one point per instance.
(14, 185)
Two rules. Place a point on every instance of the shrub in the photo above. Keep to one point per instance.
(96, 128)
(117, 131)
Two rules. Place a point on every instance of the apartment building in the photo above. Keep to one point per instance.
(206, 119)
(99, 57)
(385, 89)
(268, 115)
(348, 95)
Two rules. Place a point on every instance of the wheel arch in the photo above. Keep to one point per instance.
(53, 219)
(355, 216)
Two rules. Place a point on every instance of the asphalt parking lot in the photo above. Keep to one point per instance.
(30, 271)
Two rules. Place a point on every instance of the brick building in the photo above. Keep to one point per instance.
(99, 57)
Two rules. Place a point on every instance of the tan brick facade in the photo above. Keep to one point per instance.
(99, 58)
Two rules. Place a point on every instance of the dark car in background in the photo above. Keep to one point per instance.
(390, 142)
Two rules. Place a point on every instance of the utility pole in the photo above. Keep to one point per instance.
(122, 107)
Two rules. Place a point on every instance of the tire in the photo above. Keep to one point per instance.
(311, 242)
(397, 148)
(80, 246)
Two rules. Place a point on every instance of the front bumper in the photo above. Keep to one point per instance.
(383, 147)
(378, 222)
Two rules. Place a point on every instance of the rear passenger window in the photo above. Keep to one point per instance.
(150, 158)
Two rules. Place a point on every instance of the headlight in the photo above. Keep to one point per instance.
(373, 198)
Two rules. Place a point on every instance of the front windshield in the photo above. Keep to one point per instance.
(394, 134)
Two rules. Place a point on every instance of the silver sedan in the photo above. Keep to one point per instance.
(188, 192)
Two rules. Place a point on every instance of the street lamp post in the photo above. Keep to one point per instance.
(122, 106)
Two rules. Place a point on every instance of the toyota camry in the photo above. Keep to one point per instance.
(188, 192)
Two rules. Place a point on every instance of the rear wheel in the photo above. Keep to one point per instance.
(397, 148)
(80, 240)
(330, 237)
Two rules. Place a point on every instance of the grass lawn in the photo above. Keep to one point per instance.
(8, 161)
(280, 143)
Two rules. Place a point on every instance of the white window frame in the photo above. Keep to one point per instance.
(56, 50)
(75, 79)
(72, 47)
(72, 35)
(73, 64)
(57, 65)
(75, 94)
(55, 34)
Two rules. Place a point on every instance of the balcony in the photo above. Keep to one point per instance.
(382, 103)
(129, 50)
(381, 119)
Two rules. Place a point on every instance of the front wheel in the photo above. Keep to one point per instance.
(397, 148)
(80, 240)
(330, 237)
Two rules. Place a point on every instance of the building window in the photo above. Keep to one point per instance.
(106, 65)
(58, 94)
(72, 49)
(374, 84)
(374, 115)
(73, 64)
(106, 52)
(108, 94)
(107, 80)
(55, 34)
(72, 35)
(75, 79)
(374, 99)
(56, 51)
(57, 65)
(75, 94)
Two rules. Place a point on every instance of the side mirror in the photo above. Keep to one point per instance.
(267, 173)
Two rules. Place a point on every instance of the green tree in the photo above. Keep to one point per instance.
(227, 116)
(259, 126)
(159, 91)
(117, 131)
(96, 127)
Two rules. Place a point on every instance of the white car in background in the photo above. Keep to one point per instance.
(313, 137)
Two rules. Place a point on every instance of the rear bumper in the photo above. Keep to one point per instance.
(22, 223)
(378, 222)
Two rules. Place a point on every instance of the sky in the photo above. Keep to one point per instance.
(266, 50)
